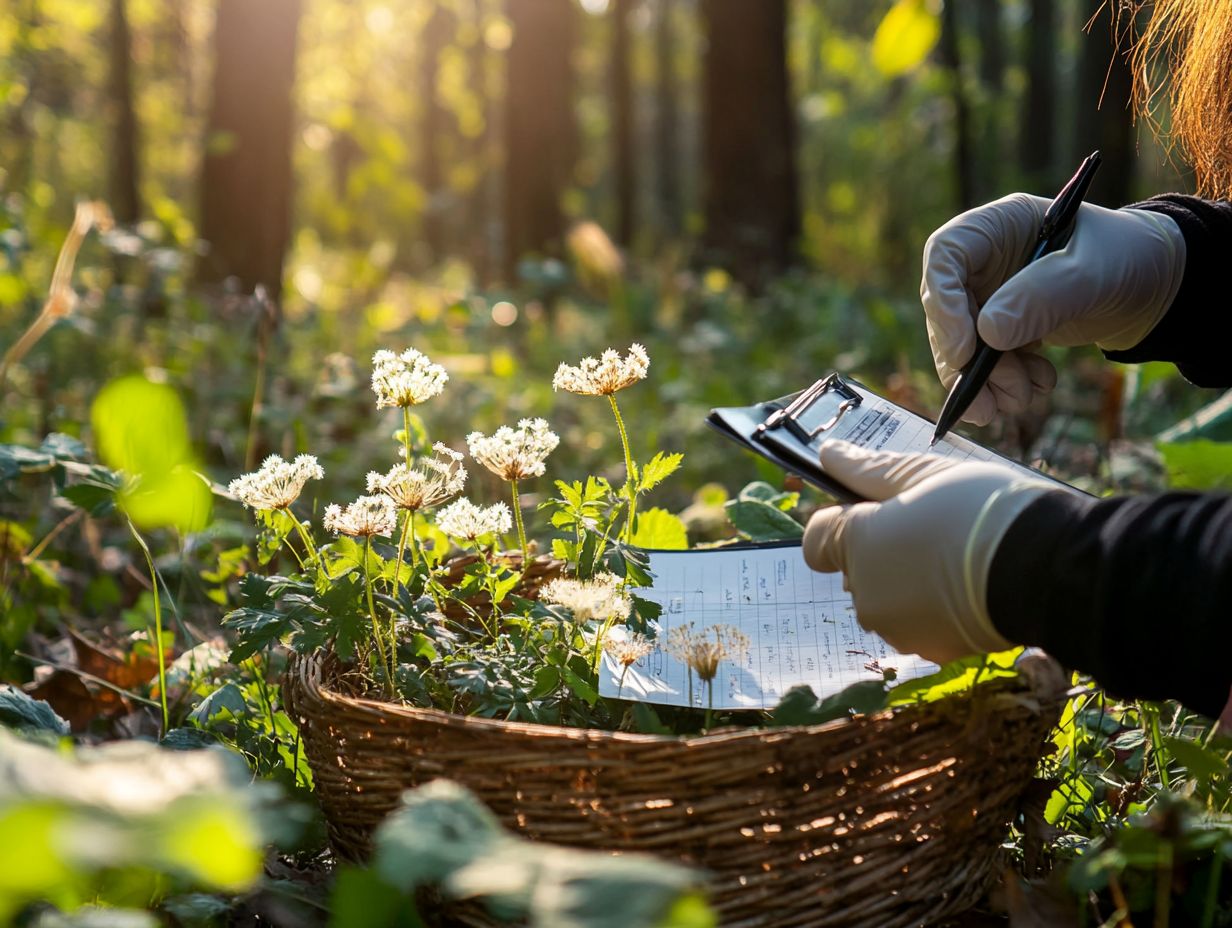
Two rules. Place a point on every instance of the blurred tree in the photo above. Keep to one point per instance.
(1104, 107)
(991, 45)
(1038, 136)
(437, 31)
(666, 130)
(623, 157)
(750, 188)
(123, 191)
(951, 57)
(246, 170)
(540, 126)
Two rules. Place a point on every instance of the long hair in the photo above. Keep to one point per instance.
(1183, 56)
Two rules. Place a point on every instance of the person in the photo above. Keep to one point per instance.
(950, 559)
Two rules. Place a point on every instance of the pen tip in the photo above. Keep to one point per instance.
(933, 441)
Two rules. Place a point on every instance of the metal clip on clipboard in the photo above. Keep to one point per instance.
(814, 410)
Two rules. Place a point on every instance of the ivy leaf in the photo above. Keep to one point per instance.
(762, 522)
(660, 467)
(658, 528)
(227, 698)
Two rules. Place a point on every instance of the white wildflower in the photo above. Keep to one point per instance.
(406, 379)
(277, 484)
(704, 651)
(599, 599)
(367, 516)
(604, 376)
(463, 519)
(513, 454)
(628, 649)
(430, 482)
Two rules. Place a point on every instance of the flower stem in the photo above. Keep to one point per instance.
(517, 519)
(309, 547)
(386, 666)
(490, 582)
(406, 433)
(408, 528)
(709, 703)
(158, 627)
(629, 475)
(621, 684)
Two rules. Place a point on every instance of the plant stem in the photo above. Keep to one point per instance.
(386, 666)
(709, 703)
(309, 546)
(491, 585)
(629, 475)
(408, 528)
(406, 433)
(517, 520)
(620, 685)
(158, 627)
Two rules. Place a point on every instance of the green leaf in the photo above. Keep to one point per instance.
(547, 678)
(799, 705)
(1069, 798)
(581, 687)
(761, 522)
(1202, 763)
(227, 698)
(16, 460)
(904, 37)
(361, 899)
(647, 721)
(955, 677)
(95, 499)
(1198, 465)
(660, 467)
(658, 529)
(63, 447)
(21, 711)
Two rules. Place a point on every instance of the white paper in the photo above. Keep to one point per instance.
(801, 627)
(879, 425)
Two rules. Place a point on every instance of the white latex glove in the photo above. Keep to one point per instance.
(1109, 286)
(916, 561)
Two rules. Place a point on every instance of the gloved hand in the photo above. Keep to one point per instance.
(916, 561)
(1110, 285)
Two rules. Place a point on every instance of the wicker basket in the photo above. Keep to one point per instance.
(886, 820)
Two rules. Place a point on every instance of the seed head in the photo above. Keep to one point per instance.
(599, 599)
(277, 484)
(704, 651)
(367, 516)
(513, 454)
(430, 482)
(406, 379)
(604, 376)
(628, 649)
(463, 519)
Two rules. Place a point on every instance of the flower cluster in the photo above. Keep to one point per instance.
(604, 376)
(367, 516)
(463, 519)
(601, 599)
(513, 454)
(406, 379)
(704, 651)
(277, 484)
(428, 483)
(628, 649)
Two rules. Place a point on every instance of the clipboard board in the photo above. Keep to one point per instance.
(790, 430)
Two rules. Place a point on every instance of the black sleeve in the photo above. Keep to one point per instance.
(1196, 332)
(1136, 591)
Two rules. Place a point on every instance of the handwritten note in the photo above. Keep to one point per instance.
(801, 626)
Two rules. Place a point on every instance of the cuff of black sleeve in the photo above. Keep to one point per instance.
(1196, 320)
(1025, 590)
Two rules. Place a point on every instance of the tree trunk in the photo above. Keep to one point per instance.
(1038, 136)
(246, 172)
(623, 158)
(964, 159)
(540, 127)
(1104, 112)
(666, 129)
(750, 188)
(124, 196)
(992, 146)
(483, 204)
(436, 33)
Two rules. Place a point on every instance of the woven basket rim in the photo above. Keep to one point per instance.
(311, 673)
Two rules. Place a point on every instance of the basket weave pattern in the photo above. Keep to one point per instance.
(882, 821)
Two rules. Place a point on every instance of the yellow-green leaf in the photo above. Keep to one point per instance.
(905, 37)
(659, 529)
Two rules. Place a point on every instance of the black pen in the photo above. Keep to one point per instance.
(1054, 233)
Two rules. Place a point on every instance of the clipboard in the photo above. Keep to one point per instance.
(790, 430)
